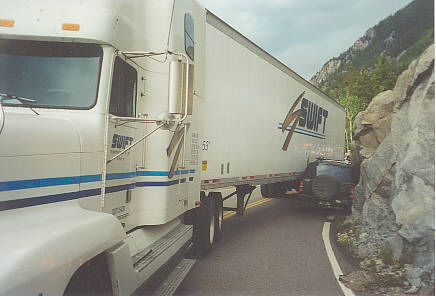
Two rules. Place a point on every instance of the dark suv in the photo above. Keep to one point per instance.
(327, 183)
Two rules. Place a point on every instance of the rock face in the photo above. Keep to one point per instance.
(394, 36)
(395, 197)
(333, 65)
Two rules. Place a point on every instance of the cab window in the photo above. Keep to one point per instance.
(189, 36)
(123, 93)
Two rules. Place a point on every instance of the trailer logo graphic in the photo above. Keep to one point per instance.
(310, 118)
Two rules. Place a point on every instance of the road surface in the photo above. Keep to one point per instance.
(275, 249)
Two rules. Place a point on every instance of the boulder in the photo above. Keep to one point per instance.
(395, 198)
(373, 125)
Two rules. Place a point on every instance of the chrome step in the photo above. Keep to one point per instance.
(170, 285)
(142, 259)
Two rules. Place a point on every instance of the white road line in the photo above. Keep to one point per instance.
(334, 263)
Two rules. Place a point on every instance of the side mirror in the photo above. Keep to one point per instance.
(177, 88)
(2, 116)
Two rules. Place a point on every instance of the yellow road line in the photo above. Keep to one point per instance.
(250, 205)
(234, 213)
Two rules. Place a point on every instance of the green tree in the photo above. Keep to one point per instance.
(385, 74)
(358, 84)
(353, 105)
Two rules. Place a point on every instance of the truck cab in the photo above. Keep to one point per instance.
(82, 82)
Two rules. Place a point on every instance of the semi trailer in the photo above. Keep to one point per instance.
(120, 122)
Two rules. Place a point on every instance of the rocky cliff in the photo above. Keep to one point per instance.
(336, 64)
(395, 198)
(402, 36)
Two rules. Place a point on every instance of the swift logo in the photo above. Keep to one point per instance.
(121, 142)
(310, 118)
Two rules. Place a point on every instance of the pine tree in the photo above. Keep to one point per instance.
(384, 74)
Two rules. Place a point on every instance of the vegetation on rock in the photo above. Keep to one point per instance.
(373, 64)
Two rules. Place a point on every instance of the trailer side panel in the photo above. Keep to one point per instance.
(248, 96)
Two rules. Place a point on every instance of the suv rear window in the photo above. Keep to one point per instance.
(340, 173)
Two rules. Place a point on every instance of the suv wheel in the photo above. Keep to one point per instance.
(324, 187)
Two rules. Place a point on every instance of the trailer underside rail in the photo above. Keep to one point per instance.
(240, 192)
(252, 181)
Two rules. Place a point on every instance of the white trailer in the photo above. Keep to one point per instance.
(111, 147)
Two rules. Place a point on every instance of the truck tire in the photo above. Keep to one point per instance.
(204, 226)
(219, 214)
(324, 187)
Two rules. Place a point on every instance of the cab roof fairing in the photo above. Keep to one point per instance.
(120, 23)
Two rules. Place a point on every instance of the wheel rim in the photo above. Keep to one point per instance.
(220, 219)
(211, 228)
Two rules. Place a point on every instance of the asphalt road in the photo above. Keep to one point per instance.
(274, 249)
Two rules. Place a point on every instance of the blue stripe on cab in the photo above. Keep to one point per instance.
(118, 188)
(35, 183)
(59, 181)
(152, 173)
(117, 176)
(159, 184)
(163, 173)
(90, 178)
(35, 201)
(41, 200)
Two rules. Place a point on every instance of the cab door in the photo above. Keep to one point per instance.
(121, 172)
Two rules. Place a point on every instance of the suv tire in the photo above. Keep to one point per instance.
(324, 187)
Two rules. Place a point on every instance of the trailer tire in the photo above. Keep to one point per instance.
(204, 226)
(279, 189)
(219, 214)
(265, 190)
(274, 190)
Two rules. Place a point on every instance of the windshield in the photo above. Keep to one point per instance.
(340, 173)
(54, 74)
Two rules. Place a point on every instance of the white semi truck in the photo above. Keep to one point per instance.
(120, 120)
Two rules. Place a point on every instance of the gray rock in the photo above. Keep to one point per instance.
(380, 107)
(395, 198)
(414, 209)
(412, 290)
(329, 68)
(378, 167)
(413, 275)
(357, 125)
